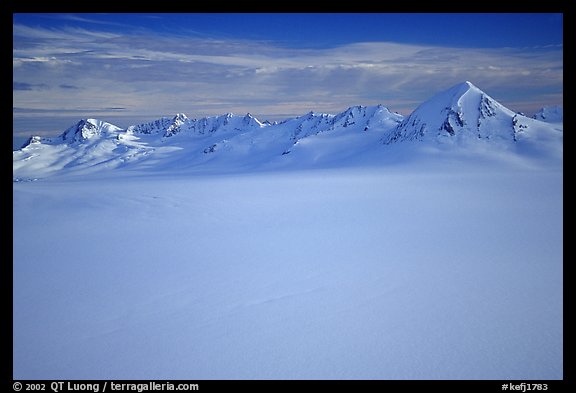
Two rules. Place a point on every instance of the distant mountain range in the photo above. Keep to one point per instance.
(462, 116)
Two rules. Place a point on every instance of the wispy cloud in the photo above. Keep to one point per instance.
(28, 86)
(65, 86)
(151, 74)
(84, 19)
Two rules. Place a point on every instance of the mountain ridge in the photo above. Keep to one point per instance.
(461, 115)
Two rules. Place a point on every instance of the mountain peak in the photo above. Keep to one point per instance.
(465, 86)
(180, 117)
(86, 129)
(457, 91)
(249, 120)
(462, 111)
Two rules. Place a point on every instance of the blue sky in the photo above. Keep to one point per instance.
(136, 67)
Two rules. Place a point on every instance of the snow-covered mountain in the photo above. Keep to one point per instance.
(462, 115)
(168, 127)
(466, 116)
(461, 112)
(85, 129)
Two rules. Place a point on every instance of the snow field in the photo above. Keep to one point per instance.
(407, 272)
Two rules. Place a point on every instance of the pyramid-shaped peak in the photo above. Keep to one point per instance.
(462, 88)
(463, 111)
(459, 97)
(467, 85)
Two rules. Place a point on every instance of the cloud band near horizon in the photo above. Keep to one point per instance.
(148, 75)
